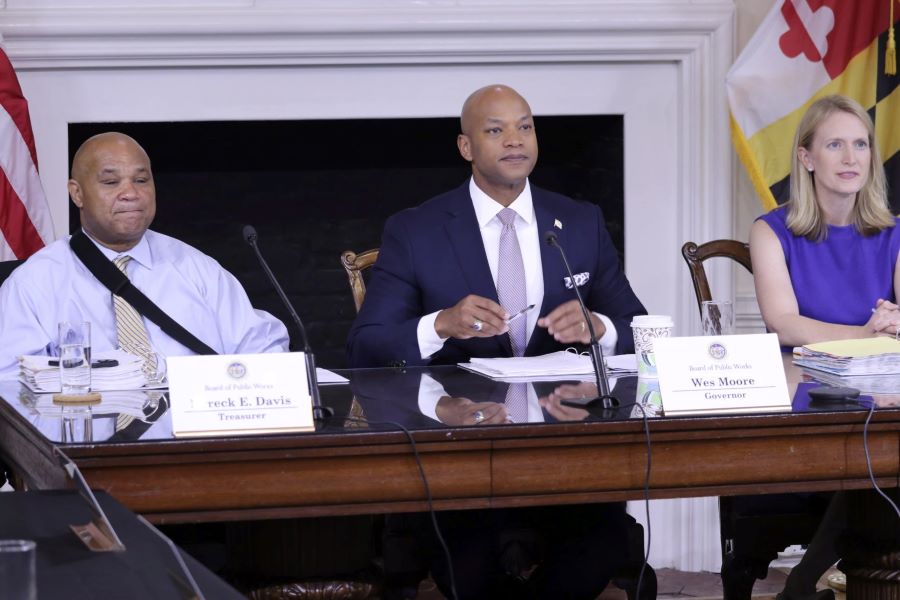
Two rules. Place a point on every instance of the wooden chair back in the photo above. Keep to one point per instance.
(753, 528)
(695, 255)
(355, 263)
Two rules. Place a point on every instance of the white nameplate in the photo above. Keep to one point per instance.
(239, 394)
(721, 374)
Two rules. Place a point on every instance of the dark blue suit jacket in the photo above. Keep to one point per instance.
(432, 256)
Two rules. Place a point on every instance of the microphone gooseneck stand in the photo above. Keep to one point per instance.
(250, 236)
(596, 351)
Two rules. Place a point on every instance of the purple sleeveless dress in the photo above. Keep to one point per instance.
(838, 279)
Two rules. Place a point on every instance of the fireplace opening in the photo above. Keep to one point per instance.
(314, 188)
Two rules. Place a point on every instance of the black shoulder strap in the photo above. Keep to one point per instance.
(115, 280)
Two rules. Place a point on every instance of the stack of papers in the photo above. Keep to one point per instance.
(876, 356)
(326, 377)
(123, 402)
(549, 367)
(39, 375)
(621, 365)
(866, 384)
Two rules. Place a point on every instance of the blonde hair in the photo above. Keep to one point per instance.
(870, 211)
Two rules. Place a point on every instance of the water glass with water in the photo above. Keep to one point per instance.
(18, 575)
(75, 357)
(717, 317)
(156, 376)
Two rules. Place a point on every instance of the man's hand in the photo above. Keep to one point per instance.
(553, 403)
(473, 316)
(462, 411)
(567, 325)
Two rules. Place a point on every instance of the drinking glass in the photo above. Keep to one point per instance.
(75, 357)
(717, 317)
(156, 377)
(18, 575)
(76, 424)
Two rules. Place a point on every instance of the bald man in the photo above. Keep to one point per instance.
(433, 294)
(434, 297)
(112, 186)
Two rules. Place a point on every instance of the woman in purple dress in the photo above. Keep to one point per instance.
(825, 268)
(825, 263)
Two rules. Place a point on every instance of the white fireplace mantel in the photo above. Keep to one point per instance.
(660, 63)
(105, 34)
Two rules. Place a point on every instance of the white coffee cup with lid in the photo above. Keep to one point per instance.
(646, 328)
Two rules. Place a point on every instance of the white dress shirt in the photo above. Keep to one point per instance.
(54, 285)
(486, 209)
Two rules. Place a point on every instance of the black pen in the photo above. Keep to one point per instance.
(519, 314)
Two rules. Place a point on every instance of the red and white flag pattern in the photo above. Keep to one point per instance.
(25, 221)
(803, 50)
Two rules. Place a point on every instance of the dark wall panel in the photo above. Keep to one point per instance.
(313, 189)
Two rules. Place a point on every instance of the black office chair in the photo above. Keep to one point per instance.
(7, 267)
(753, 528)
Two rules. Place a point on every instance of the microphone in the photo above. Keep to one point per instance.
(250, 236)
(605, 398)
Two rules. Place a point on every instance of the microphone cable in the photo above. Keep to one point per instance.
(432, 513)
(869, 460)
(646, 559)
(328, 413)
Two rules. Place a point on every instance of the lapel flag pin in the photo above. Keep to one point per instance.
(557, 224)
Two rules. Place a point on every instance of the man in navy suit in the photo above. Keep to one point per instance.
(434, 298)
(432, 295)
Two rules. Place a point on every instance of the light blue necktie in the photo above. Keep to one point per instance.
(512, 295)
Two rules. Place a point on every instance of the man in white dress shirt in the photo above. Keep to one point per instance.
(112, 186)
(450, 274)
(436, 293)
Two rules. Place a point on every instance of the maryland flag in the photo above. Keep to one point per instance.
(803, 50)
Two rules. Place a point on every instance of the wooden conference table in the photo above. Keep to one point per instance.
(348, 466)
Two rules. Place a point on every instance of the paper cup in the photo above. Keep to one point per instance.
(647, 328)
(647, 397)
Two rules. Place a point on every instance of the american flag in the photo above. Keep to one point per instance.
(25, 222)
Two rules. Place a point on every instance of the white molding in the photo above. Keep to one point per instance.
(362, 32)
(747, 317)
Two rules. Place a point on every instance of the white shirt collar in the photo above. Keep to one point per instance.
(140, 253)
(486, 208)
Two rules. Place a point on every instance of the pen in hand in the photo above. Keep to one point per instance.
(519, 314)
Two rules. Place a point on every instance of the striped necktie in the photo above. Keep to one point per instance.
(511, 280)
(517, 402)
(512, 295)
(131, 333)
